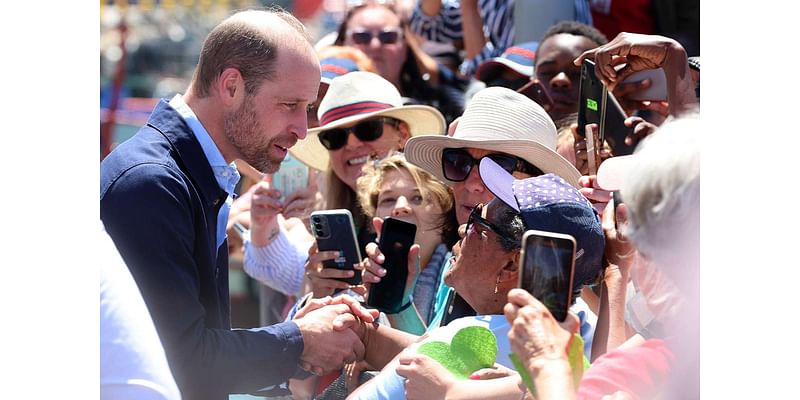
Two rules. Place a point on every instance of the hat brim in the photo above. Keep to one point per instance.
(612, 172)
(421, 120)
(488, 69)
(426, 152)
(499, 182)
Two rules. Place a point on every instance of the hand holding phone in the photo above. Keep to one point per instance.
(547, 267)
(395, 241)
(334, 230)
(291, 176)
(600, 107)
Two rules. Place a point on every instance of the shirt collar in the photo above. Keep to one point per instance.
(227, 175)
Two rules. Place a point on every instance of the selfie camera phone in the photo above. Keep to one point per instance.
(547, 267)
(334, 230)
(291, 176)
(397, 237)
(599, 106)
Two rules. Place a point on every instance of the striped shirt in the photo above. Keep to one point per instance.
(498, 27)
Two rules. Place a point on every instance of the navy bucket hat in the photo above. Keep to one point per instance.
(548, 203)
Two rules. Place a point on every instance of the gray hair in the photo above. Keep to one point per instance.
(662, 194)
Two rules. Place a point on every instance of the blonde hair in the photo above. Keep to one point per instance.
(431, 189)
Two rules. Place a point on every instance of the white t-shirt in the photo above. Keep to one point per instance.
(132, 360)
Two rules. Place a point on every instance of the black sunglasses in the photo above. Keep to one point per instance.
(475, 216)
(365, 131)
(458, 163)
(386, 36)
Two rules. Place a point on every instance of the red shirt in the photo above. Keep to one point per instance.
(635, 16)
(640, 371)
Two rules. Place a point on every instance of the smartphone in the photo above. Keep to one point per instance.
(291, 175)
(535, 91)
(396, 238)
(334, 230)
(658, 87)
(597, 105)
(547, 267)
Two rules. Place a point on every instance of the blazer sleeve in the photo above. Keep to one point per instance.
(150, 214)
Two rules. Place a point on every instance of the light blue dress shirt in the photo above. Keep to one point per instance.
(226, 174)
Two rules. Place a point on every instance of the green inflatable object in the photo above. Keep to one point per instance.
(471, 349)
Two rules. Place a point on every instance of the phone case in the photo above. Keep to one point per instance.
(334, 230)
(292, 175)
(598, 106)
(550, 284)
(396, 238)
(658, 87)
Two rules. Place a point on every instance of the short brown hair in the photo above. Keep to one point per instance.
(237, 43)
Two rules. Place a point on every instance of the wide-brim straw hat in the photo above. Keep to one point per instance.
(499, 120)
(358, 96)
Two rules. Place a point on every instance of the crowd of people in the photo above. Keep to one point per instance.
(476, 147)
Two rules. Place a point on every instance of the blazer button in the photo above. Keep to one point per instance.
(216, 201)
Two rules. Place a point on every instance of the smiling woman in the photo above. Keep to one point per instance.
(362, 117)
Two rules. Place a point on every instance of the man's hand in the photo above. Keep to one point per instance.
(328, 343)
(365, 314)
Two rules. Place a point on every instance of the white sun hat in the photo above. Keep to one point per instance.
(499, 120)
(358, 96)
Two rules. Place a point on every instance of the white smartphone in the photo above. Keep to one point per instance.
(658, 88)
(547, 268)
(292, 175)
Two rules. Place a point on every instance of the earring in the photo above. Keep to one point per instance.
(496, 284)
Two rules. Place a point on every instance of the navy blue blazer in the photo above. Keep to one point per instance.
(159, 201)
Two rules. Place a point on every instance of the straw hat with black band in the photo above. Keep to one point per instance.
(359, 96)
(499, 120)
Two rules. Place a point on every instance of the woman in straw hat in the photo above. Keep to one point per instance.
(499, 124)
(362, 118)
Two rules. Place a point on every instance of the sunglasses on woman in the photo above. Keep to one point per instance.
(365, 131)
(458, 163)
(385, 36)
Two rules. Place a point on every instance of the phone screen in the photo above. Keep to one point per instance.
(334, 230)
(396, 238)
(547, 270)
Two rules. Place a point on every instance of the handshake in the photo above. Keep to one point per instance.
(332, 331)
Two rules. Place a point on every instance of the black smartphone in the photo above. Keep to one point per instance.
(395, 240)
(547, 267)
(334, 230)
(599, 106)
(535, 91)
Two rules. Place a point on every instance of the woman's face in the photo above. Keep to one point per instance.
(400, 197)
(388, 57)
(478, 258)
(348, 161)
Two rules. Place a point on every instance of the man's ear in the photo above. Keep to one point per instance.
(230, 87)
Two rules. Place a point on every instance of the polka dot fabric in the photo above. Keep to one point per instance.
(544, 190)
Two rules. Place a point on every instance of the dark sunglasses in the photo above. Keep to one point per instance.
(475, 216)
(458, 163)
(386, 36)
(365, 131)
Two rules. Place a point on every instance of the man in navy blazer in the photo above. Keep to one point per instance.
(164, 197)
